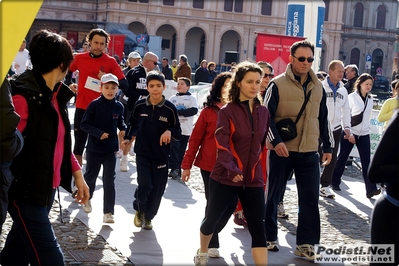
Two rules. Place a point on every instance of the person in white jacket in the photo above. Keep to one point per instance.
(361, 105)
(339, 117)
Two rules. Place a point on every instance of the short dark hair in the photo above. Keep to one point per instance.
(186, 80)
(155, 75)
(48, 51)
(354, 68)
(264, 64)
(304, 43)
(164, 58)
(100, 32)
(238, 75)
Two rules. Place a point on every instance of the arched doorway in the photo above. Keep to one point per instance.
(137, 28)
(168, 34)
(195, 46)
(376, 61)
(230, 47)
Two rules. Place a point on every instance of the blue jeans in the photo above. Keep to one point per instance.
(307, 176)
(31, 239)
(177, 150)
(93, 165)
(363, 146)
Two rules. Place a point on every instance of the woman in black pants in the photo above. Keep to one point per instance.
(202, 150)
(240, 134)
(384, 168)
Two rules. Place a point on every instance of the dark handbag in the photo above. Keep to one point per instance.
(357, 119)
(287, 128)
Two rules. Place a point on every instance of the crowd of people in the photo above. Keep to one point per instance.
(253, 133)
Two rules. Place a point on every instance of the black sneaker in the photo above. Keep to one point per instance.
(147, 224)
(373, 193)
(175, 174)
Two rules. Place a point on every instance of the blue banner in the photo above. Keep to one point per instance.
(320, 26)
(296, 20)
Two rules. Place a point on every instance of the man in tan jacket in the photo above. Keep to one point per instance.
(284, 98)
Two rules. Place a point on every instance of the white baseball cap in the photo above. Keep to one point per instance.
(109, 78)
(134, 55)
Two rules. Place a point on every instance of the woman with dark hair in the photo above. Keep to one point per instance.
(361, 105)
(211, 71)
(202, 149)
(201, 73)
(268, 75)
(240, 134)
(46, 160)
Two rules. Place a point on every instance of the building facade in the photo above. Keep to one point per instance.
(369, 35)
(216, 30)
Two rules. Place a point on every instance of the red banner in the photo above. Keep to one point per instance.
(72, 37)
(116, 45)
(275, 49)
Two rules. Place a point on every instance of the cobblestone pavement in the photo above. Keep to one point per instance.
(82, 246)
(338, 224)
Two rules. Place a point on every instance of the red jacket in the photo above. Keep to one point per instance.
(202, 141)
(240, 141)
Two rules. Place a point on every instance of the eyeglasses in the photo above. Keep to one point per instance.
(155, 62)
(268, 75)
(302, 59)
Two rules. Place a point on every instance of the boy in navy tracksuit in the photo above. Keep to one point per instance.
(101, 120)
(154, 123)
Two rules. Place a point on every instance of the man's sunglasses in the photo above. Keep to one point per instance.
(302, 59)
(155, 62)
(268, 75)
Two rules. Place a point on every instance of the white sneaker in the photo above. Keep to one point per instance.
(119, 154)
(108, 218)
(326, 192)
(87, 207)
(213, 253)
(306, 251)
(200, 259)
(123, 166)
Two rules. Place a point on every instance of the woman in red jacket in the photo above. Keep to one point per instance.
(202, 149)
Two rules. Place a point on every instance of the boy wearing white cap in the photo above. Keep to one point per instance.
(101, 120)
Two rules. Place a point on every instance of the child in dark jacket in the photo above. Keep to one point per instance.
(101, 120)
(154, 122)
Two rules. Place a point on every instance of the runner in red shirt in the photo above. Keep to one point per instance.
(91, 66)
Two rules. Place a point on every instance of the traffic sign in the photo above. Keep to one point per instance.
(368, 58)
(379, 70)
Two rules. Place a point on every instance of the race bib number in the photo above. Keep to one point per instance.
(93, 84)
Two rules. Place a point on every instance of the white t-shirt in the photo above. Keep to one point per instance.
(183, 102)
(23, 60)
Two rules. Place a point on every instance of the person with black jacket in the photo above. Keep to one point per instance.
(154, 123)
(384, 168)
(46, 160)
(11, 144)
(166, 70)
